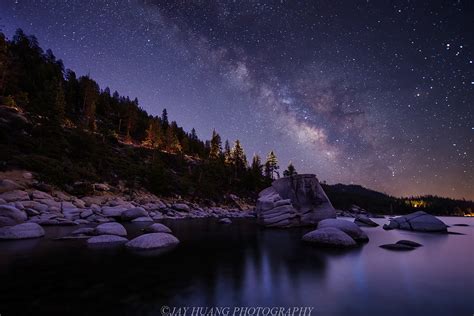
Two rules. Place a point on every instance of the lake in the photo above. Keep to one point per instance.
(238, 265)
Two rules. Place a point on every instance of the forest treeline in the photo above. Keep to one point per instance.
(82, 133)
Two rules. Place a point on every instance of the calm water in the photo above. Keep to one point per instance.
(241, 265)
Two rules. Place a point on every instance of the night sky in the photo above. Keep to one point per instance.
(378, 93)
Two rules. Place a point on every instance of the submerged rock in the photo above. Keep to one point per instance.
(419, 221)
(294, 201)
(329, 236)
(152, 241)
(157, 228)
(348, 227)
(22, 231)
(110, 229)
(106, 240)
(409, 243)
(362, 220)
(397, 246)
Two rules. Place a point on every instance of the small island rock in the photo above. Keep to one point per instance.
(152, 241)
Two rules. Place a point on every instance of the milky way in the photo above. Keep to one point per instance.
(378, 93)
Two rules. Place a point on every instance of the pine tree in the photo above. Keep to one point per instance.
(227, 153)
(59, 105)
(271, 166)
(239, 160)
(290, 171)
(164, 120)
(256, 165)
(216, 146)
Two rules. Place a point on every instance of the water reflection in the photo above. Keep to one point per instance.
(241, 265)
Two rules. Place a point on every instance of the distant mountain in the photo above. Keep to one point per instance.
(343, 196)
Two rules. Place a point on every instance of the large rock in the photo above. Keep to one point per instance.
(419, 221)
(15, 195)
(133, 213)
(348, 227)
(10, 215)
(329, 236)
(152, 241)
(294, 201)
(110, 229)
(22, 231)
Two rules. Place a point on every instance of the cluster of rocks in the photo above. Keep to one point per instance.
(155, 236)
(294, 201)
(336, 233)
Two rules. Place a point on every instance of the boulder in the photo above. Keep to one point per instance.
(110, 229)
(51, 203)
(362, 220)
(7, 185)
(152, 241)
(22, 231)
(86, 213)
(10, 215)
(181, 207)
(157, 228)
(348, 227)
(329, 236)
(133, 213)
(40, 207)
(225, 221)
(38, 195)
(15, 195)
(294, 201)
(106, 240)
(418, 221)
(113, 211)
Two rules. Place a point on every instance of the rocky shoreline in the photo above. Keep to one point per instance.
(25, 210)
(297, 201)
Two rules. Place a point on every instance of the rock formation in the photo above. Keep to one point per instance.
(294, 201)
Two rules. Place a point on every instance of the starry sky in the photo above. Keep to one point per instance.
(377, 93)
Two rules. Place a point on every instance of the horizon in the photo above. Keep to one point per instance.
(337, 120)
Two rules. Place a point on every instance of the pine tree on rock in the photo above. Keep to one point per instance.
(271, 166)
(256, 166)
(290, 171)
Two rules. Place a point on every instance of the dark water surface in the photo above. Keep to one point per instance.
(241, 265)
